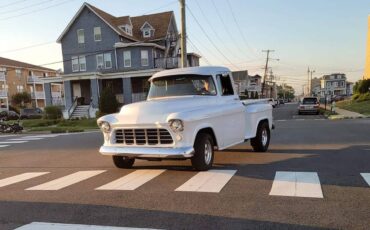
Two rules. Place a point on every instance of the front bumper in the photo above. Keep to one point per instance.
(150, 152)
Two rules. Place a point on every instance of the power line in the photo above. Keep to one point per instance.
(225, 26)
(212, 28)
(239, 28)
(209, 39)
(26, 7)
(161, 7)
(13, 3)
(34, 11)
(193, 45)
(26, 47)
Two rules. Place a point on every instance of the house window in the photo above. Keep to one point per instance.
(144, 58)
(108, 60)
(19, 88)
(75, 66)
(127, 58)
(18, 72)
(97, 34)
(99, 61)
(80, 36)
(82, 61)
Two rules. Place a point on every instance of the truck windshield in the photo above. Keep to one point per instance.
(182, 85)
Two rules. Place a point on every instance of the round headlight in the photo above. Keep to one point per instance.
(177, 125)
(105, 126)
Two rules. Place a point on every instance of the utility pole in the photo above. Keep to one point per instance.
(266, 68)
(183, 35)
(309, 73)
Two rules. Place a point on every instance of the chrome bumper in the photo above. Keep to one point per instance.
(150, 152)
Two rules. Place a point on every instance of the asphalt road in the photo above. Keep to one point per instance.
(336, 151)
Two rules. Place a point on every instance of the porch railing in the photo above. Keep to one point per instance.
(136, 97)
(166, 63)
(34, 79)
(2, 76)
(3, 93)
(38, 95)
(72, 107)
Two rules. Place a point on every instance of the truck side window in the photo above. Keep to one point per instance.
(226, 86)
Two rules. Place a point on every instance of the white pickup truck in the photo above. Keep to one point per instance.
(188, 114)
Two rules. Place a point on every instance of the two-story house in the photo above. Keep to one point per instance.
(17, 77)
(100, 50)
(333, 84)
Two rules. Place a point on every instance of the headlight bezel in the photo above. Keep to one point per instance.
(176, 125)
(105, 127)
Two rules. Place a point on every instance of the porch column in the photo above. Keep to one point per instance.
(48, 95)
(68, 94)
(94, 92)
(127, 90)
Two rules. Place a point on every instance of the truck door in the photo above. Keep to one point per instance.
(233, 120)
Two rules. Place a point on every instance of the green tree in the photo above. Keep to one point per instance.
(21, 99)
(108, 102)
(362, 86)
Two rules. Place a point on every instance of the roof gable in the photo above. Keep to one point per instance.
(108, 19)
(159, 22)
(5, 62)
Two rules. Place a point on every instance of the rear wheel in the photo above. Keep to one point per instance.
(262, 140)
(123, 162)
(204, 153)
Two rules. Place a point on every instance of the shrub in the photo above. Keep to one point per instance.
(53, 112)
(108, 102)
(13, 108)
(355, 96)
(20, 99)
(364, 97)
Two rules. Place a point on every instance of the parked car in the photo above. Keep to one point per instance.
(188, 114)
(9, 115)
(281, 101)
(309, 105)
(31, 113)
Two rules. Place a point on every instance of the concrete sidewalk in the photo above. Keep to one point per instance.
(342, 113)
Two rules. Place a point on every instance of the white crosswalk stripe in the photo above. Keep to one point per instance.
(366, 177)
(21, 177)
(58, 226)
(67, 180)
(298, 184)
(210, 181)
(12, 142)
(2, 146)
(26, 139)
(132, 181)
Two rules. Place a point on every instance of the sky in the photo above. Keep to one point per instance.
(327, 36)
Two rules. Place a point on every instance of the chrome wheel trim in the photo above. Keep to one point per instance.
(264, 137)
(207, 152)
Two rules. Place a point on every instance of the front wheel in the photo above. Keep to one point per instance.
(262, 140)
(204, 153)
(123, 162)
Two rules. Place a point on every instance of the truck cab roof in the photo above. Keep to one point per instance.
(200, 70)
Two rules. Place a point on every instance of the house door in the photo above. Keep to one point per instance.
(76, 89)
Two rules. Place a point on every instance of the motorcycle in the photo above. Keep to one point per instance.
(14, 127)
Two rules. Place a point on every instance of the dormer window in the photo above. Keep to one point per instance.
(146, 33)
(147, 30)
(127, 29)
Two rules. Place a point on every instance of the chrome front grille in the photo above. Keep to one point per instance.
(143, 136)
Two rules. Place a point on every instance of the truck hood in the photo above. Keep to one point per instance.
(157, 111)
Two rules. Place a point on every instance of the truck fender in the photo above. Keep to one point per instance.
(205, 126)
